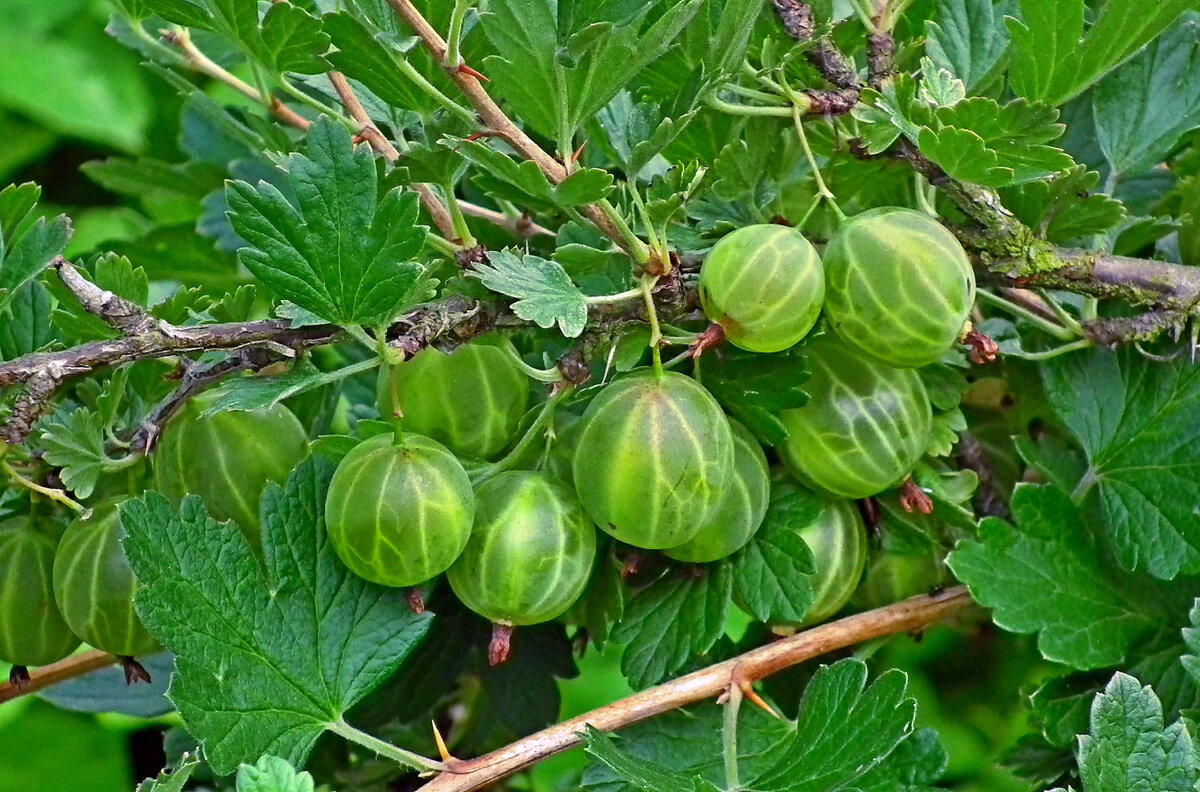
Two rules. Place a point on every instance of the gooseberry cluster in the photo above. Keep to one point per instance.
(653, 462)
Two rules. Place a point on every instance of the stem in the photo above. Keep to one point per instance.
(56, 495)
(68, 668)
(1074, 346)
(638, 249)
(441, 245)
(1043, 324)
(410, 71)
(509, 460)
(619, 297)
(454, 37)
(648, 282)
(717, 103)
(822, 189)
(922, 197)
(751, 93)
(729, 738)
(358, 334)
(549, 375)
(912, 614)
(1060, 313)
(465, 238)
(383, 748)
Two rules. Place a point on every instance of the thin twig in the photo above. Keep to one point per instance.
(494, 119)
(386, 149)
(46, 676)
(913, 614)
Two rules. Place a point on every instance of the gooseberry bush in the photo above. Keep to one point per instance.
(487, 379)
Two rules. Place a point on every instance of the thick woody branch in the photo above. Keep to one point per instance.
(825, 57)
(127, 318)
(493, 118)
(913, 614)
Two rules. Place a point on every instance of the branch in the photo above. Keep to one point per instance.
(825, 57)
(44, 677)
(500, 125)
(912, 614)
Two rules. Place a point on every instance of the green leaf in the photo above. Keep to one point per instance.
(557, 66)
(25, 324)
(915, 766)
(340, 251)
(26, 245)
(688, 742)
(293, 41)
(1130, 747)
(544, 294)
(968, 39)
(151, 177)
(979, 140)
(240, 685)
(364, 57)
(1088, 613)
(260, 393)
(845, 728)
(679, 617)
(1063, 208)
(637, 772)
(771, 573)
(74, 442)
(189, 13)
(584, 186)
(1136, 421)
(1144, 107)
(755, 388)
(172, 780)
(272, 774)
(1054, 61)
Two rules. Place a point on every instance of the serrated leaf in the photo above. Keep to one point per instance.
(939, 86)
(771, 573)
(584, 186)
(968, 38)
(174, 779)
(845, 728)
(557, 64)
(25, 324)
(982, 141)
(340, 250)
(1130, 748)
(190, 13)
(946, 428)
(260, 393)
(1136, 421)
(75, 443)
(239, 685)
(679, 617)
(16, 204)
(1088, 613)
(293, 41)
(1063, 208)
(22, 259)
(363, 57)
(1144, 107)
(272, 774)
(755, 388)
(1052, 58)
(544, 294)
(637, 132)
(638, 773)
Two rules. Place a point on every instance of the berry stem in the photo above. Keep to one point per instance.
(501, 643)
(822, 188)
(648, 282)
(550, 375)
(535, 430)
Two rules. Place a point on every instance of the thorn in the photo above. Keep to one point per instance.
(416, 603)
(747, 688)
(632, 565)
(441, 744)
(134, 671)
(501, 644)
(463, 68)
(578, 151)
(912, 498)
